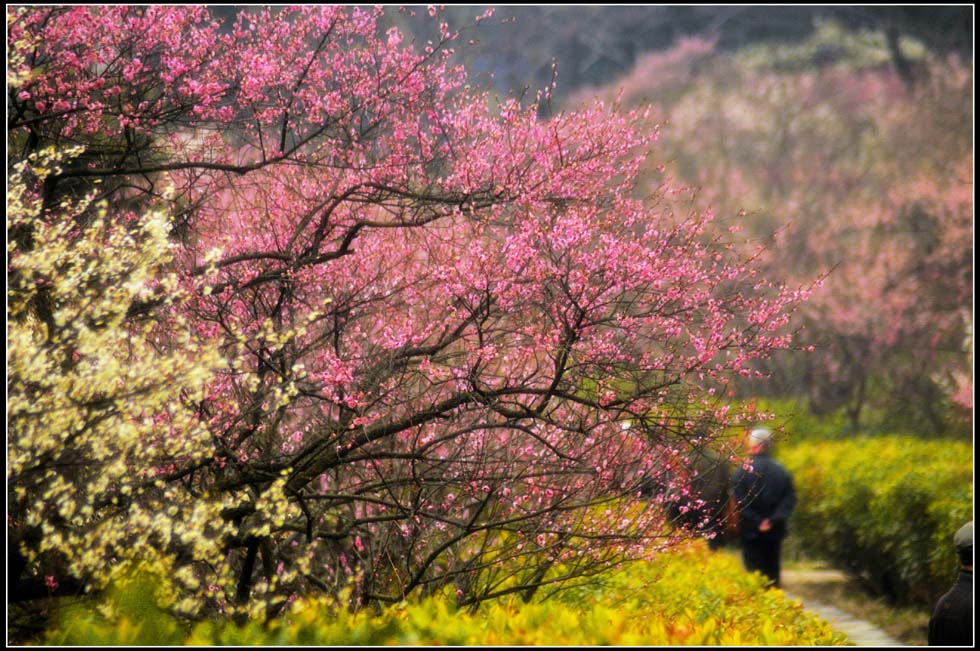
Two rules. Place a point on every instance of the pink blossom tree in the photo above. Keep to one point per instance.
(458, 339)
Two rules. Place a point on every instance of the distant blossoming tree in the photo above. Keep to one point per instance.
(875, 182)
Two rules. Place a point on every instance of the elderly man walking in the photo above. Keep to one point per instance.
(764, 494)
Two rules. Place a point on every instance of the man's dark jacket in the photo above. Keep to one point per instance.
(765, 491)
(952, 620)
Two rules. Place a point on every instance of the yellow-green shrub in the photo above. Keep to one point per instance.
(689, 597)
(886, 508)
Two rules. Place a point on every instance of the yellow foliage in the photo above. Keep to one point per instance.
(690, 598)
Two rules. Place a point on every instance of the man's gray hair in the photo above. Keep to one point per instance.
(762, 437)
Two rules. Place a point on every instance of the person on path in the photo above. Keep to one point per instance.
(696, 495)
(951, 623)
(710, 494)
(765, 497)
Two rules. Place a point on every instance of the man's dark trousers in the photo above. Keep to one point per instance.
(761, 553)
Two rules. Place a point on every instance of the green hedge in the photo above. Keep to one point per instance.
(884, 508)
(690, 597)
(797, 423)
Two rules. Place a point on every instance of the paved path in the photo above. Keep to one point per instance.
(858, 631)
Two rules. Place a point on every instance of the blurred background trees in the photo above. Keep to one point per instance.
(861, 175)
(593, 45)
